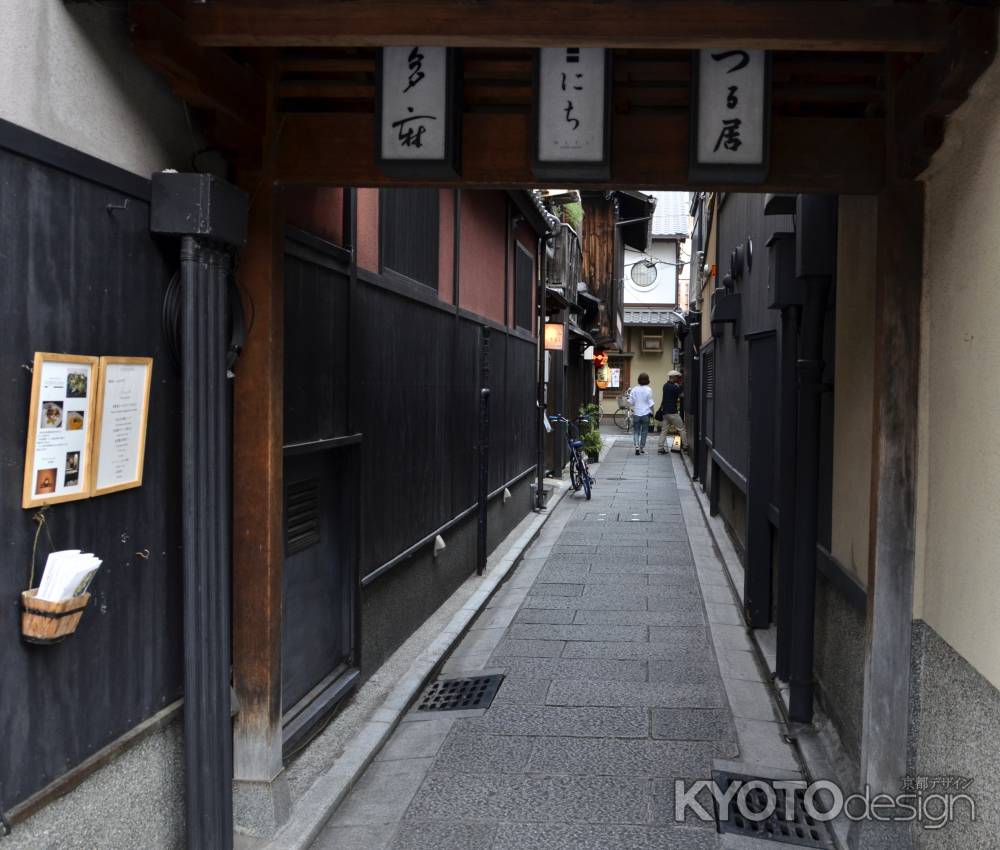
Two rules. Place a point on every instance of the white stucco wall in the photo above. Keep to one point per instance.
(853, 382)
(664, 290)
(69, 73)
(958, 578)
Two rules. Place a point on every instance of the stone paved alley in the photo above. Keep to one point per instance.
(626, 668)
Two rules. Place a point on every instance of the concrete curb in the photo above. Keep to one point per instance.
(814, 754)
(316, 806)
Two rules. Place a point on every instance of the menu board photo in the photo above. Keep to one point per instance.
(60, 429)
(121, 412)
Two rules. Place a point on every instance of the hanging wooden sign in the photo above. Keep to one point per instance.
(417, 117)
(731, 116)
(572, 114)
(60, 429)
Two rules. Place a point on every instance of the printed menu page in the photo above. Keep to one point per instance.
(60, 461)
(121, 439)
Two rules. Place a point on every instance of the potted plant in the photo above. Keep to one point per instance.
(590, 431)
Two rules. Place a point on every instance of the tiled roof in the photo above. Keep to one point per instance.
(671, 215)
(650, 316)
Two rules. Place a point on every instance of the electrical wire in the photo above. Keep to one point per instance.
(236, 320)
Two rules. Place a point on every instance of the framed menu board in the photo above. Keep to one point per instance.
(57, 464)
(121, 413)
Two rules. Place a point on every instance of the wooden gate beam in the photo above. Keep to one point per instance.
(258, 502)
(677, 24)
(649, 150)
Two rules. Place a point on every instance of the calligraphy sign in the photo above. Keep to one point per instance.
(572, 113)
(417, 122)
(731, 115)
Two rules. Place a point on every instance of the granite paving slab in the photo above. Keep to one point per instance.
(622, 677)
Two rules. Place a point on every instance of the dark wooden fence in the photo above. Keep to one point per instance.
(80, 273)
(421, 385)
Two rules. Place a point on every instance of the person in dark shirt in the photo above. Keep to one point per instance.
(670, 409)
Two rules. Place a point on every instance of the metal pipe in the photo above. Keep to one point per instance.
(208, 739)
(787, 506)
(810, 378)
(484, 479)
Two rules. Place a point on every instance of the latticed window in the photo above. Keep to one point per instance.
(409, 233)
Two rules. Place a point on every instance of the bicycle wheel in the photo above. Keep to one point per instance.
(574, 471)
(585, 477)
(622, 419)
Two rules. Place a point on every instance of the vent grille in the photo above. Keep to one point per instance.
(708, 372)
(795, 827)
(458, 694)
(301, 515)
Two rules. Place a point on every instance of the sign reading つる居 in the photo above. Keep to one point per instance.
(572, 113)
(417, 122)
(730, 122)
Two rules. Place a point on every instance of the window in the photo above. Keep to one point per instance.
(652, 341)
(409, 233)
(524, 284)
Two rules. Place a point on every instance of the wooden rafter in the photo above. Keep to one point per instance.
(938, 84)
(206, 78)
(649, 150)
(831, 25)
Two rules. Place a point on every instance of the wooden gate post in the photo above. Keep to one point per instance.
(258, 553)
(893, 496)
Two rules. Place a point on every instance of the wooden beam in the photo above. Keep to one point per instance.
(204, 77)
(649, 150)
(258, 503)
(678, 24)
(894, 486)
(938, 84)
(893, 517)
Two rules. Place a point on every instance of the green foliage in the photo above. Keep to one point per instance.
(573, 214)
(590, 431)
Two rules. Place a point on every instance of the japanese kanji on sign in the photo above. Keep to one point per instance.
(730, 115)
(572, 114)
(417, 124)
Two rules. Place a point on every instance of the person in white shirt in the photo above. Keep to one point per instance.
(642, 407)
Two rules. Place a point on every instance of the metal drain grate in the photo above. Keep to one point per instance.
(796, 827)
(456, 694)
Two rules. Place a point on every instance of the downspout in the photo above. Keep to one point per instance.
(791, 318)
(810, 376)
(210, 216)
(816, 218)
(543, 268)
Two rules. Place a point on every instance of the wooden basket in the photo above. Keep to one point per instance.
(49, 622)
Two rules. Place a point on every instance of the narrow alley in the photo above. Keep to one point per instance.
(625, 668)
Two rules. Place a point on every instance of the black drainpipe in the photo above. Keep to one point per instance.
(816, 245)
(791, 316)
(210, 216)
(543, 267)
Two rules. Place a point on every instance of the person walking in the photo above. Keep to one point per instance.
(670, 410)
(642, 410)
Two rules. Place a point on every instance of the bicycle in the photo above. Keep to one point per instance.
(579, 472)
(623, 418)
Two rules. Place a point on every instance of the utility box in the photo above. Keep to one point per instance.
(783, 288)
(187, 204)
(726, 306)
(816, 236)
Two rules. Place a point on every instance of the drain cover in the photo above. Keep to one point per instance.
(456, 694)
(795, 827)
